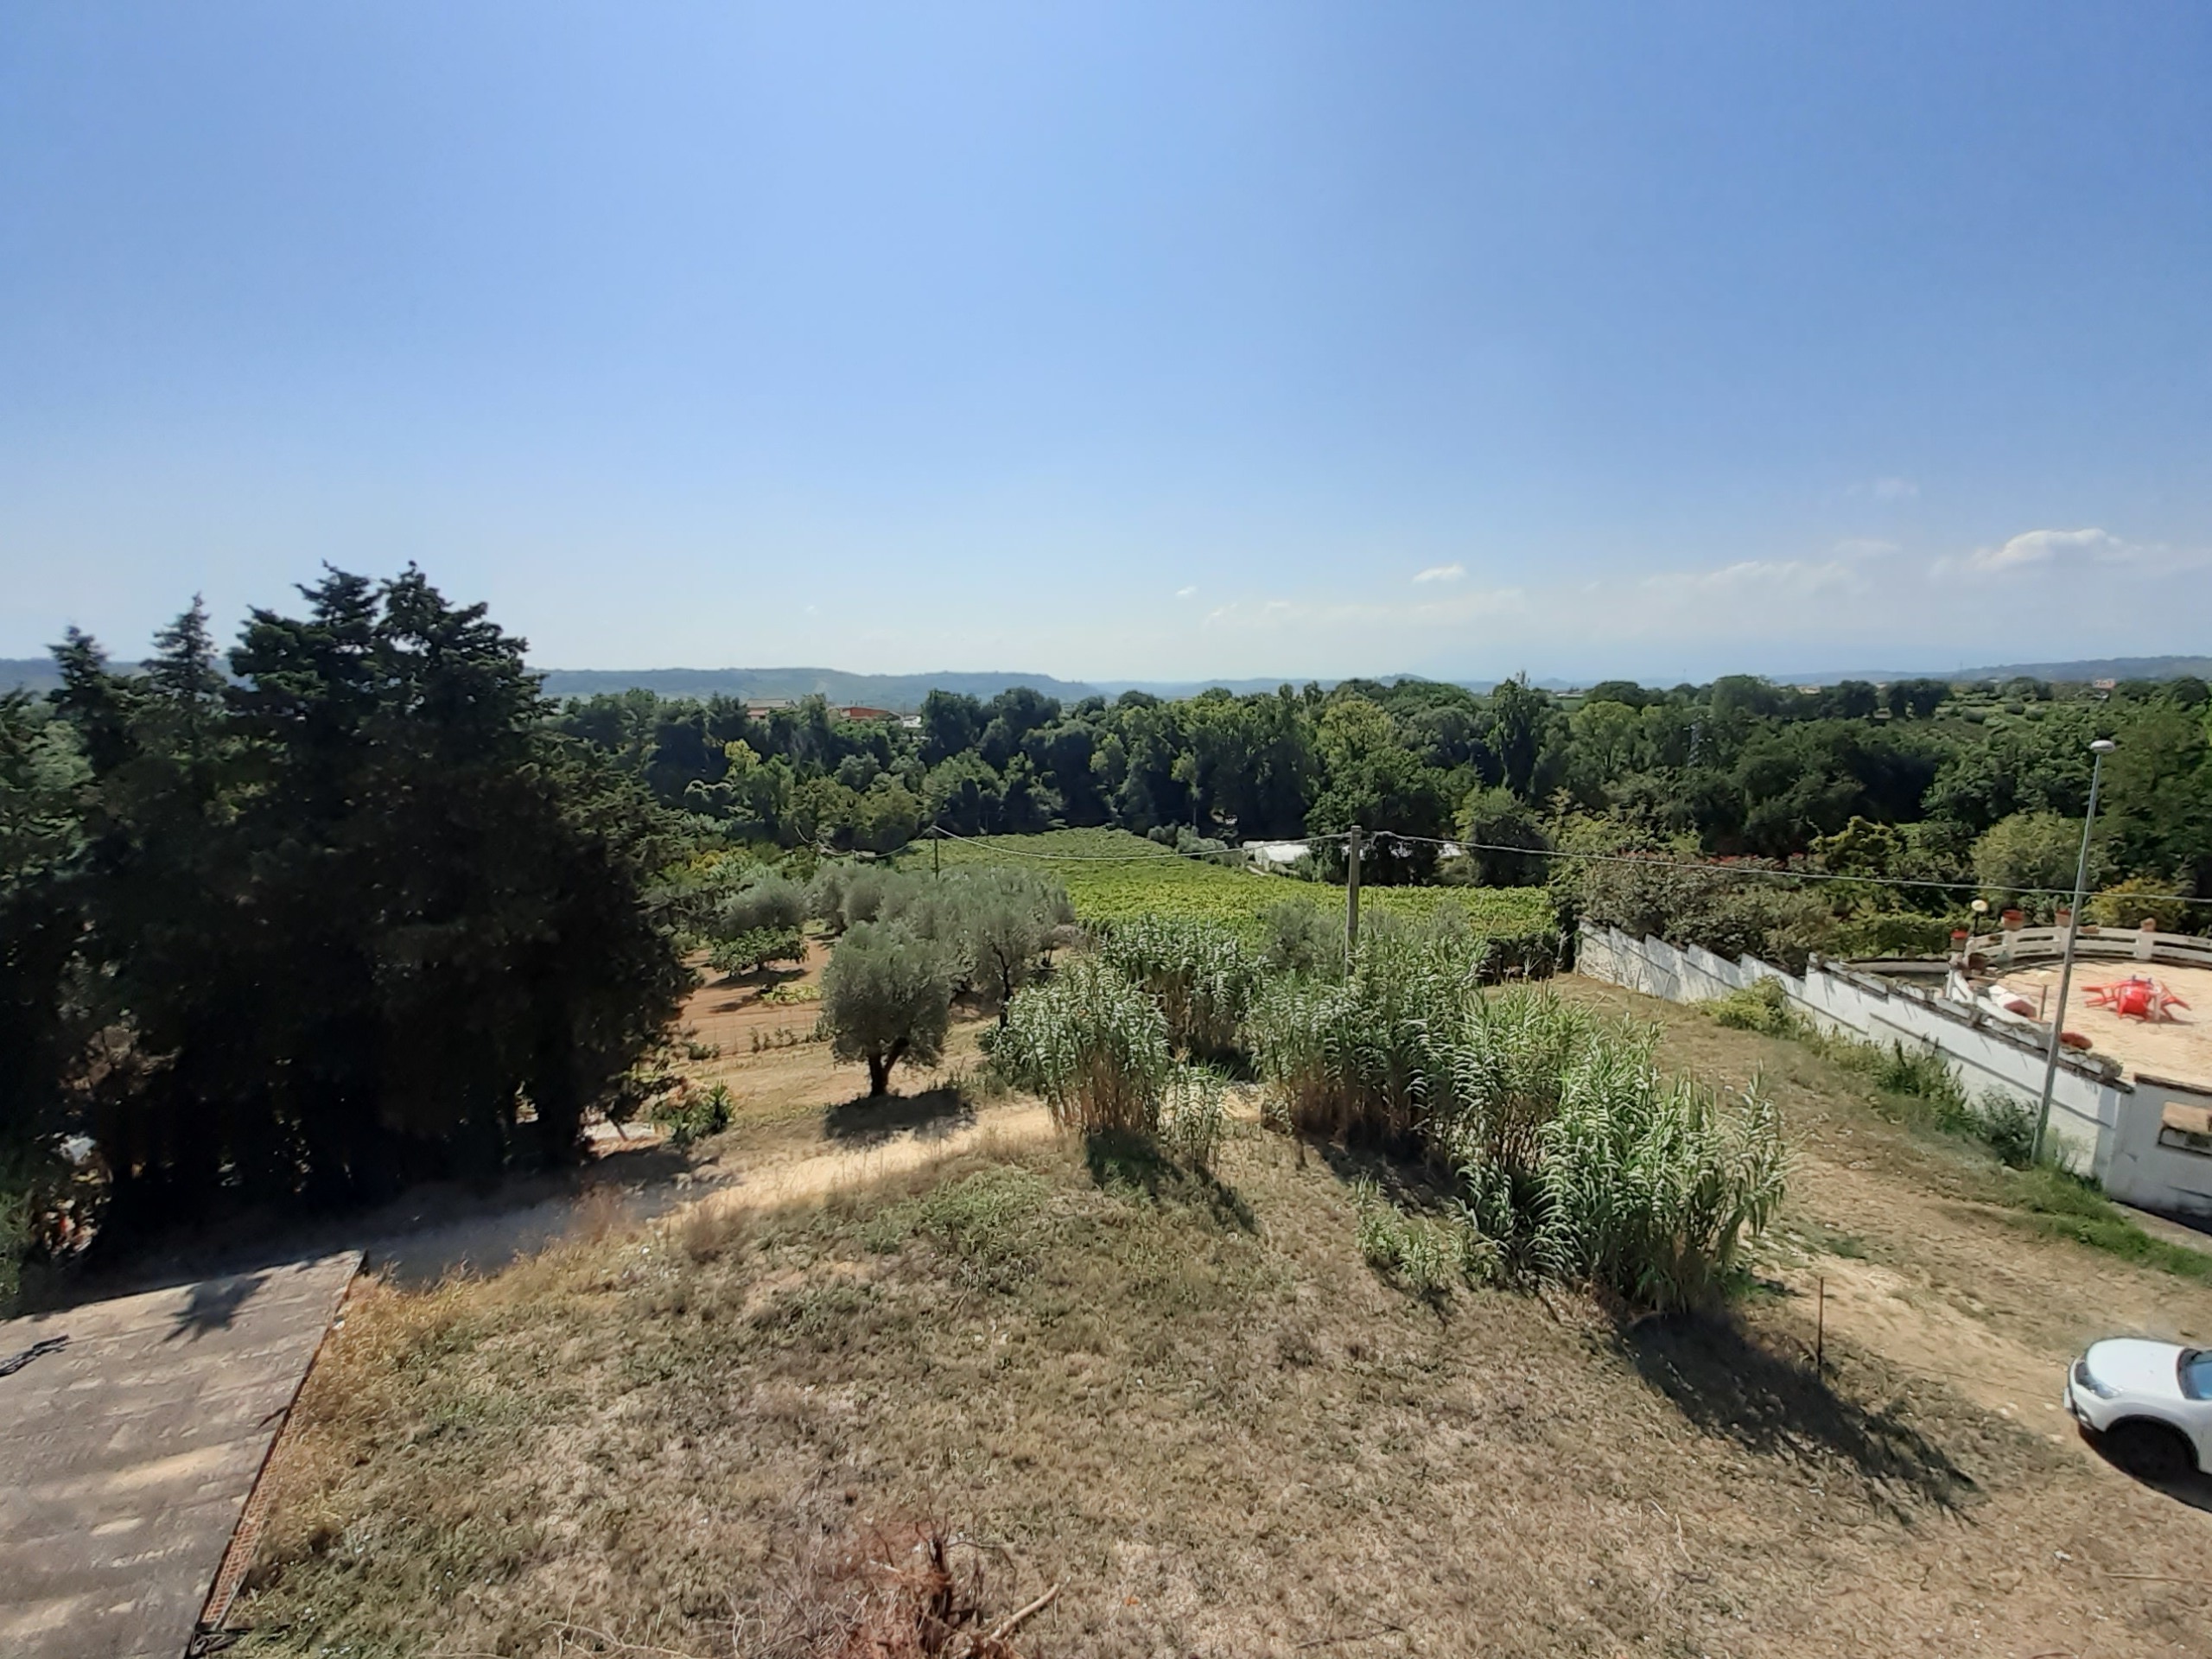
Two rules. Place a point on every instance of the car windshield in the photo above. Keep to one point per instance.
(2197, 1373)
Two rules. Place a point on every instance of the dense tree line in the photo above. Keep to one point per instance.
(352, 913)
(1916, 779)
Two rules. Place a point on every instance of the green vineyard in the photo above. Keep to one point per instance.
(1113, 875)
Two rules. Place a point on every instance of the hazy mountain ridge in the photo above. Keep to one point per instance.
(906, 691)
(2092, 668)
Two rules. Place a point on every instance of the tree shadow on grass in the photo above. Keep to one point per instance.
(873, 1119)
(1135, 1163)
(1728, 1384)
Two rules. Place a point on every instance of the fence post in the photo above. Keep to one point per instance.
(1351, 897)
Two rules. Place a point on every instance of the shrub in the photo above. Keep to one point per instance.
(689, 1114)
(1763, 1007)
(1921, 1071)
(1732, 915)
(1093, 1045)
(885, 997)
(1505, 841)
(2128, 903)
(2007, 1124)
(1201, 973)
(862, 896)
(755, 948)
(1302, 938)
(19, 1216)
(1351, 1059)
(1892, 933)
(764, 901)
(825, 893)
(1646, 1187)
(1190, 1116)
(1423, 1253)
(999, 923)
(2032, 850)
(1577, 1159)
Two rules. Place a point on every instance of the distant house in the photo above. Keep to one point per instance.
(761, 708)
(868, 714)
(912, 722)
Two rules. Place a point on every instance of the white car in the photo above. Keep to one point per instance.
(2149, 1402)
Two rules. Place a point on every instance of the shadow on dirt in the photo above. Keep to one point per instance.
(873, 1119)
(1774, 1405)
(758, 981)
(2193, 1490)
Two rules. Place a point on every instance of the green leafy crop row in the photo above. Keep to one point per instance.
(1156, 882)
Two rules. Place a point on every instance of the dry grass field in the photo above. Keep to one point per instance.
(1194, 1407)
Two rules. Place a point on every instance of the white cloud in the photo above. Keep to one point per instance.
(2039, 547)
(1186, 593)
(1894, 489)
(1442, 573)
(1800, 576)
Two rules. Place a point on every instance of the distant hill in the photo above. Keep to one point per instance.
(873, 691)
(906, 691)
(2094, 668)
(900, 692)
(38, 673)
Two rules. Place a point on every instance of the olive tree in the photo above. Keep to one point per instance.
(1004, 921)
(886, 996)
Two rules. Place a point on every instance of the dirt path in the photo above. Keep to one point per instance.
(777, 1183)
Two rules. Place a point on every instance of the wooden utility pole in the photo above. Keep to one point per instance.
(1351, 895)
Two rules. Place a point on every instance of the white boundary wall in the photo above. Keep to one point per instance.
(2110, 1125)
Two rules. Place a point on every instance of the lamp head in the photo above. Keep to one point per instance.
(2103, 745)
(1981, 906)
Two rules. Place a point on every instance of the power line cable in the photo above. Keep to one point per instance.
(993, 844)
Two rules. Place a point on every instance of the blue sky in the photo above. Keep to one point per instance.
(1122, 340)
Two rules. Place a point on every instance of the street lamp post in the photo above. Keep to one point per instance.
(2098, 750)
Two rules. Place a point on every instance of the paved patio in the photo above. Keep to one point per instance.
(126, 1455)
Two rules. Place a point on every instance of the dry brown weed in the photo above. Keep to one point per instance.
(900, 1593)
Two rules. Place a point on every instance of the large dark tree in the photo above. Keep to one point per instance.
(359, 915)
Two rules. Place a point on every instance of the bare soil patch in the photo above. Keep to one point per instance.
(1195, 1407)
